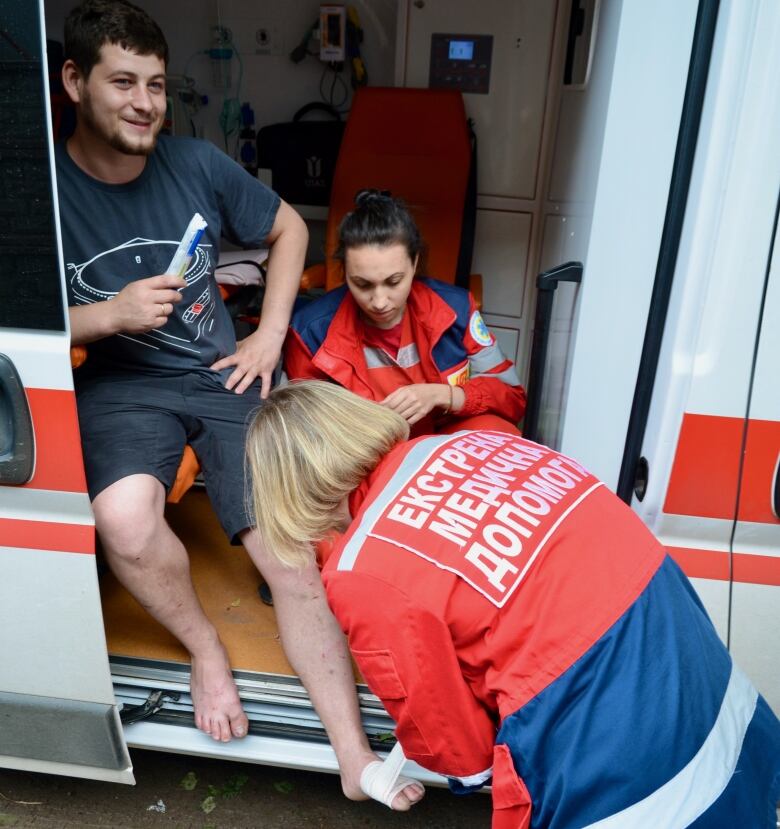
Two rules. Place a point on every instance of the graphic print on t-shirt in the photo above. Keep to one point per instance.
(138, 259)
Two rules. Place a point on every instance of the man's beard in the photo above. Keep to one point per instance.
(115, 139)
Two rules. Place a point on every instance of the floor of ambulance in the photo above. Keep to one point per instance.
(226, 582)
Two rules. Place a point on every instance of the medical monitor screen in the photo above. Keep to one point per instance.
(461, 60)
(461, 50)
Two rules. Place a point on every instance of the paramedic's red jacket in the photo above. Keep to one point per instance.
(487, 586)
(454, 346)
(420, 633)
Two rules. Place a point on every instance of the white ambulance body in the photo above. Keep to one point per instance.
(660, 197)
(711, 445)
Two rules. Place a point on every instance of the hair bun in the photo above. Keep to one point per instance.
(367, 197)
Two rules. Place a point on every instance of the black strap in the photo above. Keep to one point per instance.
(317, 106)
(469, 223)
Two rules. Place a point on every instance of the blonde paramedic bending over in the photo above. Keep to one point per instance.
(519, 622)
(418, 346)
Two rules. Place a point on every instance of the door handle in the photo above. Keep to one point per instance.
(546, 284)
(775, 494)
(17, 439)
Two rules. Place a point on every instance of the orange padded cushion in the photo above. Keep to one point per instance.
(78, 354)
(313, 277)
(415, 143)
(475, 286)
(185, 475)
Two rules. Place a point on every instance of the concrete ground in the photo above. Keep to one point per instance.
(196, 793)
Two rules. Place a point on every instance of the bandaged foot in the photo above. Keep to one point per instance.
(382, 780)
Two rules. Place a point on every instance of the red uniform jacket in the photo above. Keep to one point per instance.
(464, 588)
(453, 344)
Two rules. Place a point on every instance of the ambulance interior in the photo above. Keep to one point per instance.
(535, 77)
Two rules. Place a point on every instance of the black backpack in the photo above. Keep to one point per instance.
(302, 155)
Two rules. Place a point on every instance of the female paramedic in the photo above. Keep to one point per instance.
(418, 346)
(517, 620)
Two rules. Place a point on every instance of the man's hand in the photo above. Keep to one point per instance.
(415, 401)
(139, 307)
(146, 303)
(256, 356)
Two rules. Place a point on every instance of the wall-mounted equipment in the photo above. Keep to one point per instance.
(333, 30)
(461, 61)
(247, 151)
(336, 35)
(184, 102)
(221, 54)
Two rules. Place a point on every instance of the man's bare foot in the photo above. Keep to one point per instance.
(218, 710)
(350, 785)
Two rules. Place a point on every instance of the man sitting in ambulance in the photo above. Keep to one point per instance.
(164, 367)
(418, 346)
(519, 622)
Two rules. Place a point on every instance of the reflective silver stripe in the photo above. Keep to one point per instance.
(413, 461)
(488, 358)
(477, 779)
(698, 785)
(508, 376)
(408, 356)
(378, 358)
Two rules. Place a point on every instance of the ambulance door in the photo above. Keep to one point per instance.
(755, 569)
(57, 708)
(606, 200)
(692, 487)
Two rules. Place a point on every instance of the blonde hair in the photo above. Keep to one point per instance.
(308, 447)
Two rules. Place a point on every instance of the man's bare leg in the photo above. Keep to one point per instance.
(317, 650)
(151, 562)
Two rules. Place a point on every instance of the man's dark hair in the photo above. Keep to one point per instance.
(378, 219)
(93, 23)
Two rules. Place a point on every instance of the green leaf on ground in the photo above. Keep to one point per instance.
(212, 791)
(283, 786)
(209, 804)
(234, 785)
(189, 781)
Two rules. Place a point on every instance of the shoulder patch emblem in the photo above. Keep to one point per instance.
(479, 331)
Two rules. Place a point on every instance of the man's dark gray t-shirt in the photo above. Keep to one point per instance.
(113, 234)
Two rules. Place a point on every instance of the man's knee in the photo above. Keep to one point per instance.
(128, 515)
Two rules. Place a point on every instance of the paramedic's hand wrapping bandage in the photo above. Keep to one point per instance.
(382, 780)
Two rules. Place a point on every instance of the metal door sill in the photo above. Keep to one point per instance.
(264, 750)
(277, 706)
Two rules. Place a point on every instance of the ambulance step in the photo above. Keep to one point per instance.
(276, 706)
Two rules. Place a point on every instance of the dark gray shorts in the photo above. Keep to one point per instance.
(131, 424)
